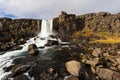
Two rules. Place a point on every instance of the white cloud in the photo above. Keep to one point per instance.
(46, 9)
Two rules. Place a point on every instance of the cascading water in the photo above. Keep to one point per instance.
(46, 29)
(7, 58)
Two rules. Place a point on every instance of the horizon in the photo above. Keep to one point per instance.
(47, 9)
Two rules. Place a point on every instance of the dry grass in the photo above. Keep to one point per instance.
(109, 41)
(106, 38)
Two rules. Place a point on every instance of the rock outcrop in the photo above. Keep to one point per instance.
(66, 24)
(17, 31)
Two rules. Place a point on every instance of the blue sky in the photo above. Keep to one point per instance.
(46, 9)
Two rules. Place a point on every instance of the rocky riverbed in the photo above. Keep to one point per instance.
(69, 62)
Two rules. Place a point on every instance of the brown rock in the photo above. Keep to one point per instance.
(73, 67)
(97, 52)
(21, 77)
(73, 78)
(32, 49)
(104, 74)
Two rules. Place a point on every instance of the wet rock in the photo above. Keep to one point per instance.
(21, 77)
(52, 42)
(7, 69)
(19, 69)
(32, 49)
(73, 67)
(32, 46)
(33, 52)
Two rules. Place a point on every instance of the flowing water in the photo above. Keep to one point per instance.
(41, 39)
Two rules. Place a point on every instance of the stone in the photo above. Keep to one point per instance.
(73, 78)
(118, 60)
(33, 52)
(32, 46)
(93, 62)
(19, 69)
(97, 52)
(21, 77)
(104, 74)
(32, 49)
(73, 67)
(52, 42)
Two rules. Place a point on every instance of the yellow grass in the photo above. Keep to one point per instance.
(109, 41)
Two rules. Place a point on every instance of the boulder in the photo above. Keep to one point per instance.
(73, 67)
(19, 69)
(32, 46)
(21, 77)
(96, 52)
(52, 42)
(33, 52)
(32, 49)
(104, 74)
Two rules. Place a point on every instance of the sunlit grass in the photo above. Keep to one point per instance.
(109, 41)
(106, 37)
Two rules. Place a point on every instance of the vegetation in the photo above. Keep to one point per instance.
(101, 37)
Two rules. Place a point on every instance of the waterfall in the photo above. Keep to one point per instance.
(38, 25)
(46, 28)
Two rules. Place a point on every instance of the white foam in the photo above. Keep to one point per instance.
(4, 75)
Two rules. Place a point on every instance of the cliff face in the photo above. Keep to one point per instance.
(13, 31)
(66, 24)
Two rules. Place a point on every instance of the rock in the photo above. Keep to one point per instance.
(33, 52)
(118, 60)
(116, 76)
(32, 49)
(32, 46)
(21, 77)
(51, 43)
(93, 62)
(73, 67)
(19, 69)
(118, 67)
(104, 74)
(73, 78)
(97, 52)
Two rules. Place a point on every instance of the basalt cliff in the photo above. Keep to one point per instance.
(65, 25)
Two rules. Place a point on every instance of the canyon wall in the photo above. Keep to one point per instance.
(66, 24)
(17, 31)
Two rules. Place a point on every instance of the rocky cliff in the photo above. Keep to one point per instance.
(17, 31)
(66, 24)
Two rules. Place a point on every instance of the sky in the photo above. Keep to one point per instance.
(47, 9)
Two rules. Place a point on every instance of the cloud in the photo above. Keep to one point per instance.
(46, 9)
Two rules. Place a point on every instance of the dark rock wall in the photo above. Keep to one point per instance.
(17, 29)
(66, 24)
